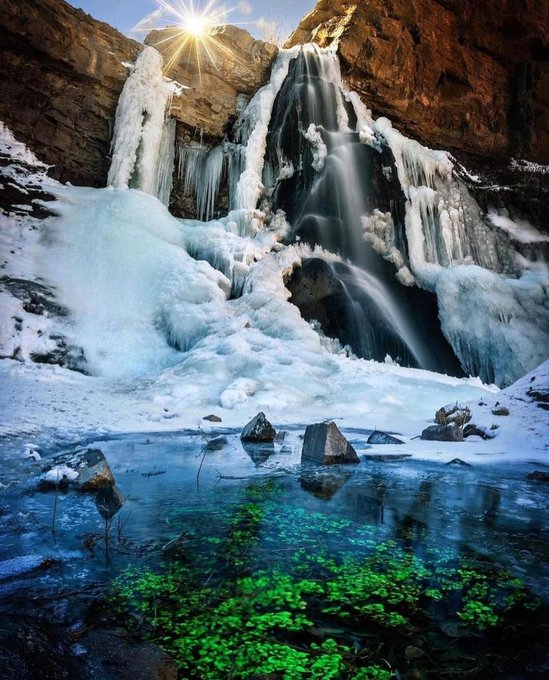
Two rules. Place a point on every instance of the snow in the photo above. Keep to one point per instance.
(518, 230)
(60, 473)
(320, 152)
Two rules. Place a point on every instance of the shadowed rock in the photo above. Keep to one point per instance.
(259, 429)
(324, 443)
(378, 437)
(443, 433)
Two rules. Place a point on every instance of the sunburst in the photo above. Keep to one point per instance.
(197, 28)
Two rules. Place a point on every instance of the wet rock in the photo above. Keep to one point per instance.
(125, 658)
(259, 429)
(86, 470)
(30, 650)
(478, 431)
(413, 653)
(458, 461)
(538, 476)
(324, 443)
(25, 564)
(212, 418)
(378, 437)
(443, 433)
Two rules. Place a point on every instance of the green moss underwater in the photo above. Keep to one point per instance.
(270, 590)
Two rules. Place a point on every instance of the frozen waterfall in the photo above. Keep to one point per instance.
(143, 138)
(371, 235)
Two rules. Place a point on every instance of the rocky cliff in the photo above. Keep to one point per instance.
(471, 75)
(61, 73)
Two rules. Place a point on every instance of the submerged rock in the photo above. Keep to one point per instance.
(216, 443)
(109, 500)
(538, 476)
(386, 457)
(259, 429)
(443, 433)
(324, 443)
(378, 437)
(458, 461)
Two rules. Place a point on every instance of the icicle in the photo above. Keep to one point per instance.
(166, 158)
(139, 125)
(210, 179)
(190, 166)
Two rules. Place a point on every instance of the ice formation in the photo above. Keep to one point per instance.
(141, 155)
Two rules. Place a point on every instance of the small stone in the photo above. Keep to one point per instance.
(378, 437)
(458, 461)
(259, 429)
(413, 652)
(500, 411)
(443, 433)
(324, 443)
(212, 418)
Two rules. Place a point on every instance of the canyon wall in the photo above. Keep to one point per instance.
(471, 75)
(61, 73)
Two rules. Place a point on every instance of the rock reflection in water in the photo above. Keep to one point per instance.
(324, 484)
(259, 452)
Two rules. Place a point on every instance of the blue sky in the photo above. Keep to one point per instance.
(257, 16)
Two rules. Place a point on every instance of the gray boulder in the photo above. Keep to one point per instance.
(378, 437)
(259, 429)
(443, 433)
(324, 443)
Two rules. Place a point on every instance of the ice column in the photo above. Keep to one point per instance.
(139, 134)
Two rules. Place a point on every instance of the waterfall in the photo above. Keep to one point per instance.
(143, 138)
(412, 243)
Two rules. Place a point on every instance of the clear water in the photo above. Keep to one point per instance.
(213, 521)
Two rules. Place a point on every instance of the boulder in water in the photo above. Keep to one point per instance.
(259, 429)
(443, 433)
(85, 470)
(324, 443)
(458, 461)
(378, 437)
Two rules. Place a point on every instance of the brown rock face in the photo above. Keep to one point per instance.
(471, 75)
(61, 73)
(231, 63)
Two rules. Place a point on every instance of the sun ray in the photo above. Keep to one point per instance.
(197, 31)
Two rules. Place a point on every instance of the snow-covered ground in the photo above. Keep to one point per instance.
(166, 346)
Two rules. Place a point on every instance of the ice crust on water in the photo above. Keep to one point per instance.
(139, 153)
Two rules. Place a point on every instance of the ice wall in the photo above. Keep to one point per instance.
(143, 138)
